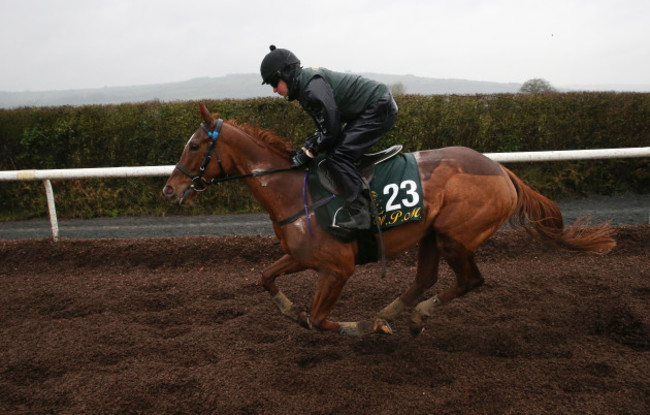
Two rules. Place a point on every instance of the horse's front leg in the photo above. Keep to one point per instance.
(330, 285)
(285, 265)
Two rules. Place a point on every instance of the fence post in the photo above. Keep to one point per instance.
(51, 207)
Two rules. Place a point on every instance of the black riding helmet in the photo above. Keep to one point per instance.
(278, 64)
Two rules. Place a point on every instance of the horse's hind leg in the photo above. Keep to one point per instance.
(426, 276)
(461, 260)
(468, 277)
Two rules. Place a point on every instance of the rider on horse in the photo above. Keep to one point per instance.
(351, 115)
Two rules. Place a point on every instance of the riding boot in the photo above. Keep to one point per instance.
(359, 214)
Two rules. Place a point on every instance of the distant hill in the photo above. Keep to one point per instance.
(433, 86)
(231, 86)
(242, 86)
(239, 86)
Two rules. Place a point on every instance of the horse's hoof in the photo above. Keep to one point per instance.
(304, 321)
(382, 327)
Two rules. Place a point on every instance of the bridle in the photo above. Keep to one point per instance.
(200, 183)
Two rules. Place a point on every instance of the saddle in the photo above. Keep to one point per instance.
(395, 191)
(366, 167)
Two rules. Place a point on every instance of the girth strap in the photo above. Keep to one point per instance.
(309, 208)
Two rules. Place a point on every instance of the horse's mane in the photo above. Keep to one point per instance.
(276, 142)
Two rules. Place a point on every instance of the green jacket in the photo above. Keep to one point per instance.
(332, 98)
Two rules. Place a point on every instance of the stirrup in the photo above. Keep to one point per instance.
(336, 224)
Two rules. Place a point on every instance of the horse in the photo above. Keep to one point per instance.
(467, 197)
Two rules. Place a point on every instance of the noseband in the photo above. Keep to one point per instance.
(200, 183)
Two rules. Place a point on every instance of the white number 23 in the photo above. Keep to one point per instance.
(393, 190)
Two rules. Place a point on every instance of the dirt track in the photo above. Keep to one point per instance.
(182, 325)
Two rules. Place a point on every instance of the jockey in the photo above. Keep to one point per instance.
(351, 115)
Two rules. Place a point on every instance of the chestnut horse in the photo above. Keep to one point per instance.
(467, 197)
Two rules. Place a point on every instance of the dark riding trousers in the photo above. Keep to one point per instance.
(356, 139)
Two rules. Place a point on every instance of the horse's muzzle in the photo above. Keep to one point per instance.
(170, 193)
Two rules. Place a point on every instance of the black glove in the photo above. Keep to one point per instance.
(313, 140)
(299, 159)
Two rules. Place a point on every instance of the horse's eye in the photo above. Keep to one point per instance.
(194, 147)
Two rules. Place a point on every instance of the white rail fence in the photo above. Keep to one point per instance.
(125, 172)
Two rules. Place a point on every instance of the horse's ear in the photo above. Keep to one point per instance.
(205, 114)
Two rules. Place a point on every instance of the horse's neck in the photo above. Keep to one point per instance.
(278, 192)
(250, 154)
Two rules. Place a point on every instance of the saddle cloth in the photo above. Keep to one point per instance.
(395, 188)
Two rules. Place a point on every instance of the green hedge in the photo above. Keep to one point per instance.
(154, 133)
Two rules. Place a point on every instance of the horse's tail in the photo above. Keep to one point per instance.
(546, 219)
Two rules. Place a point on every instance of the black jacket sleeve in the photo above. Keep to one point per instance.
(318, 100)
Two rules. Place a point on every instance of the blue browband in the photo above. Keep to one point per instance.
(214, 134)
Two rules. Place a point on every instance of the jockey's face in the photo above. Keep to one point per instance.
(282, 88)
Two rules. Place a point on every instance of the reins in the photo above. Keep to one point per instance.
(199, 183)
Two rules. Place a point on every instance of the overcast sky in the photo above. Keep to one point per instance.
(74, 44)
